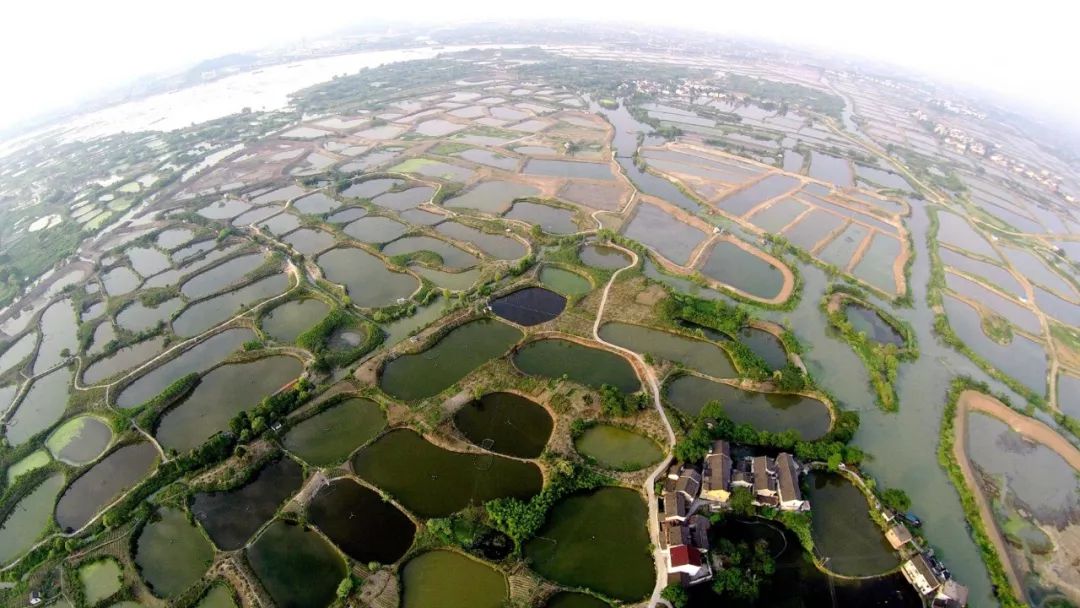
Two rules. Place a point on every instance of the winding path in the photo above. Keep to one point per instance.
(650, 482)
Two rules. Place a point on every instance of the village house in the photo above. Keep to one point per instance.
(951, 594)
(898, 536)
(675, 507)
(918, 572)
(716, 480)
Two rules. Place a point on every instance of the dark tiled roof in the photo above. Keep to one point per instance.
(788, 477)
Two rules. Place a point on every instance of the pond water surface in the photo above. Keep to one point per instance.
(285, 322)
(463, 349)
(79, 440)
(617, 448)
(296, 566)
(554, 358)
(232, 516)
(564, 281)
(223, 393)
(733, 265)
(28, 518)
(171, 553)
(434, 580)
(529, 306)
(772, 412)
(703, 356)
(842, 528)
(368, 280)
(327, 438)
(362, 524)
(505, 423)
(598, 540)
(99, 486)
(434, 482)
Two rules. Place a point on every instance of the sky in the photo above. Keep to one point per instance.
(55, 53)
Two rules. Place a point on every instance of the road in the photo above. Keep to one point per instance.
(650, 482)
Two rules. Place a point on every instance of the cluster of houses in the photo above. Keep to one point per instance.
(925, 573)
(690, 489)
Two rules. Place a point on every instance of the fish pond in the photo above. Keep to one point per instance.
(230, 517)
(554, 358)
(505, 423)
(597, 540)
(369, 282)
(205, 314)
(867, 320)
(497, 246)
(614, 447)
(434, 482)
(529, 306)
(171, 553)
(660, 230)
(106, 480)
(221, 394)
(362, 524)
(774, 412)
(605, 258)
(296, 566)
(79, 440)
(702, 356)
(285, 322)
(734, 266)
(434, 580)
(329, 437)
(552, 220)
(28, 518)
(463, 349)
(198, 358)
(564, 281)
(842, 529)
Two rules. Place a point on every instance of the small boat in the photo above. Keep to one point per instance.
(911, 518)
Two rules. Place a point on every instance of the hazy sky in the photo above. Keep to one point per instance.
(54, 53)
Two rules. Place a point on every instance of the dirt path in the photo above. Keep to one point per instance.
(974, 401)
(650, 482)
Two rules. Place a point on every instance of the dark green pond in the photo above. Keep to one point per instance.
(598, 540)
(843, 532)
(529, 306)
(606, 258)
(99, 486)
(287, 321)
(198, 358)
(553, 358)
(296, 566)
(617, 448)
(423, 374)
(434, 482)
(219, 596)
(505, 423)
(172, 553)
(447, 579)
(222, 394)
(362, 524)
(232, 516)
(564, 281)
(765, 411)
(696, 354)
(328, 437)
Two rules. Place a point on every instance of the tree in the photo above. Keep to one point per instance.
(345, 587)
(742, 502)
(745, 569)
(676, 595)
(896, 499)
